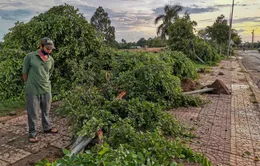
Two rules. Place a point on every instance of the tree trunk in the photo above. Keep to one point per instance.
(194, 53)
(220, 49)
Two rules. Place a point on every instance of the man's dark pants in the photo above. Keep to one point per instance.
(33, 104)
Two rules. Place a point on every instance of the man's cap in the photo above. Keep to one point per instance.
(48, 43)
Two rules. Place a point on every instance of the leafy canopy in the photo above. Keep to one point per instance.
(102, 23)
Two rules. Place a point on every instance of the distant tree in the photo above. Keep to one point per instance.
(123, 41)
(170, 15)
(102, 23)
(203, 34)
(181, 35)
(1, 45)
(141, 42)
(219, 31)
(158, 42)
(235, 37)
(149, 42)
(258, 44)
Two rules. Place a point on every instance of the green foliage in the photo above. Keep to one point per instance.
(141, 42)
(206, 52)
(151, 87)
(11, 85)
(102, 23)
(90, 111)
(149, 149)
(235, 37)
(151, 42)
(145, 75)
(1, 45)
(155, 42)
(181, 36)
(182, 66)
(11, 105)
(219, 32)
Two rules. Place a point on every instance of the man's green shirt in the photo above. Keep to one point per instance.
(38, 73)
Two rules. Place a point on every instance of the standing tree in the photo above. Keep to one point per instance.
(235, 37)
(181, 35)
(169, 16)
(102, 23)
(203, 34)
(123, 41)
(141, 42)
(219, 31)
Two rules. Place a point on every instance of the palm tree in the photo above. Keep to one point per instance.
(170, 14)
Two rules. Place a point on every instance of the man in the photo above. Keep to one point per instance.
(37, 69)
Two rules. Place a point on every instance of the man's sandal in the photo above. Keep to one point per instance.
(52, 130)
(33, 140)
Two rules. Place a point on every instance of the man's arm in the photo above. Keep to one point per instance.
(26, 66)
(24, 78)
(52, 68)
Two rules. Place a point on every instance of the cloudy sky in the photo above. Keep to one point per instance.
(134, 19)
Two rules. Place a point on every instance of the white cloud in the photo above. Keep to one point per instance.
(132, 19)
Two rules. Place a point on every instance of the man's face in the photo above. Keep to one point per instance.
(47, 50)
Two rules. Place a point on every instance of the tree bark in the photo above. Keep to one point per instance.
(220, 49)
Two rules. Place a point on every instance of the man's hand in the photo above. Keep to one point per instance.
(24, 78)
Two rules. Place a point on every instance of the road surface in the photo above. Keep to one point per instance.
(251, 60)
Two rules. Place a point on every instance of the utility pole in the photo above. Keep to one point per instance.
(253, 37)
(230, 28)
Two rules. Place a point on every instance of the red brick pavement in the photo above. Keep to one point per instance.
(227, 128)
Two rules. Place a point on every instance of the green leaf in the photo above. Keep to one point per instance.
(65, 151)
(103, 151)
(140, 156)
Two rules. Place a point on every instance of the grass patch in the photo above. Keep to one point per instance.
(201, 66)
(7, 106)
(225, 57)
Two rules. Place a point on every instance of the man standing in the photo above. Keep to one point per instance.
(37, 69)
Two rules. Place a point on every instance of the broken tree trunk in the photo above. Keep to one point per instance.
(217, 87)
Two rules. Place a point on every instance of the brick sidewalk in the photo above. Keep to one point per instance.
(15, 148)
(228, 127)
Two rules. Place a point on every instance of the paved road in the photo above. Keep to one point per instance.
(251, 60)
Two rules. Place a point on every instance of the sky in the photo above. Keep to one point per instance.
(134, 19)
